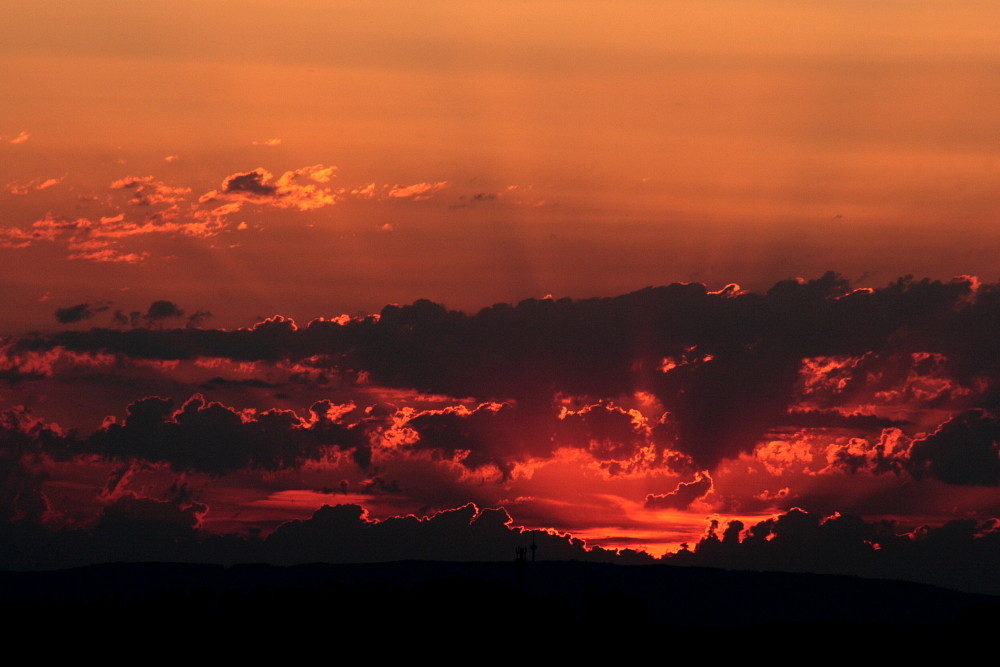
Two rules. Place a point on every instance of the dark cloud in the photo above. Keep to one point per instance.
(491, 434)
(727, 367)
(218, 382)
(133, 528)
(345, 534)
(161, 310)
(82, 311)
(22, 469)
(883, 455)
(964, 450)
(725, 405)
(251, 182)
(198, 317)
(833, 419)
(215, 439)
(157, 312)
(133, 318)
(958, 554)
(501, 434)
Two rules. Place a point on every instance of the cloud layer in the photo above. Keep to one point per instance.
(642, 411)
(135, 207)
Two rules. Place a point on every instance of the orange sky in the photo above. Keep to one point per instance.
(611, 145)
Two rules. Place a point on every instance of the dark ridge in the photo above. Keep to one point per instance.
(304, 598)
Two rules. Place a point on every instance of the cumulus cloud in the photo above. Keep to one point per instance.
(249, 183)
(292, 189)
(345, 534)
(492, 434)
(888, 453)
(212, 438)
(136, 527)
(809, 393)
(23, 443)
(722, 386)
(964, 450)
(958, 554)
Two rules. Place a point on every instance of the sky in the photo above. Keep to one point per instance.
(636, 274)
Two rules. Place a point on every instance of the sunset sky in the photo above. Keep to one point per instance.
(260, 257)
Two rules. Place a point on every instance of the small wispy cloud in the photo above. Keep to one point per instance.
(414, 192)
(24, 187)
(149, 191)
(418, 191)
(139, 205)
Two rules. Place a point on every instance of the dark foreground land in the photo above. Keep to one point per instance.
(414, 593)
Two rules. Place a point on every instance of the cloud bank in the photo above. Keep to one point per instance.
(642, 410)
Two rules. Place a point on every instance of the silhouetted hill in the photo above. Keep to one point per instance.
(301, 598)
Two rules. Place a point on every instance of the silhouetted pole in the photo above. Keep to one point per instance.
(521, 560)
